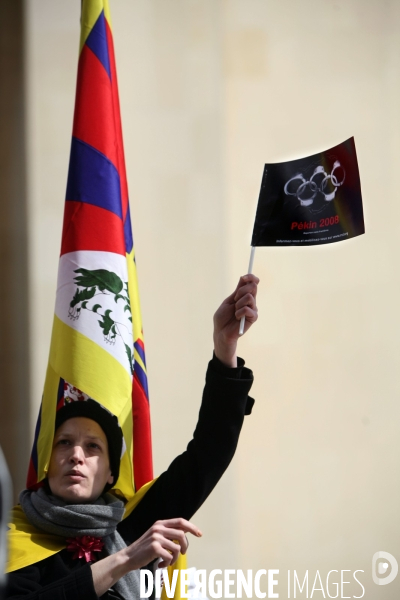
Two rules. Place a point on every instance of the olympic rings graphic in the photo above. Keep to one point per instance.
(307, 189)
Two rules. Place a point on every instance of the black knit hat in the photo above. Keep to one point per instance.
(107, 421)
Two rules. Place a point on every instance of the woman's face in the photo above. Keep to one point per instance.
(79, 465)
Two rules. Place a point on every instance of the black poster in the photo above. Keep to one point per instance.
(312, 200)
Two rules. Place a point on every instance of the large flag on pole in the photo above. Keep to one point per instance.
(97, 347)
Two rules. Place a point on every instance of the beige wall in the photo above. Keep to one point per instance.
(14, 326)
(210, 91)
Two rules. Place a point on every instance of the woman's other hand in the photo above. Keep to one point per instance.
(165, 540)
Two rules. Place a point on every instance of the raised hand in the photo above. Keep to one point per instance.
(241, 303)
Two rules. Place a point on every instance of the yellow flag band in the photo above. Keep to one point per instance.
(90, 13)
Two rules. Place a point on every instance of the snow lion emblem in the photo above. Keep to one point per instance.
(101, 284)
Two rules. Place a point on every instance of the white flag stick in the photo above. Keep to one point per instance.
(250, 269)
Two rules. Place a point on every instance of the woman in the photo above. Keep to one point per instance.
(103, 552)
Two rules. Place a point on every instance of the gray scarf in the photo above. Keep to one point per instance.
(99, 519)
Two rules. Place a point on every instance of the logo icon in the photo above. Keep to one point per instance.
(320, 181)
(384, 562)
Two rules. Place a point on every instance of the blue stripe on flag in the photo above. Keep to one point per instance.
(140, 351)
(141, 375)
(128, 231)
(60, 391)
(92, 178)
(35, 441)
(97, 42)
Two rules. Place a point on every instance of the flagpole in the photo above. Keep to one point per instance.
(250, 269)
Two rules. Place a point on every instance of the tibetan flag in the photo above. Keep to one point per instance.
(97, 347)
(312, 200)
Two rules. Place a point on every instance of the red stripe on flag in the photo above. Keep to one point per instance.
(142, 457)
(31, 479)
(117, 123)
(93, 119)
(140, 342)
(89, 227)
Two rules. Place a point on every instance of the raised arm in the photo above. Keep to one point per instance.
(190, 478)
